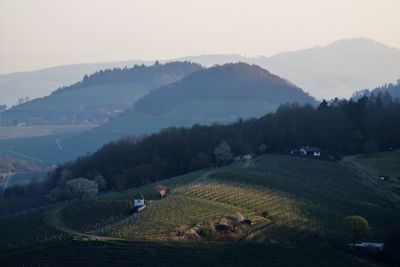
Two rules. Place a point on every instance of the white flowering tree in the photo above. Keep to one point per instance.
(80, 188)
(223, 154)
(102, 183)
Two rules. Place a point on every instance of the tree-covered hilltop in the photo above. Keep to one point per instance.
(392, 89)
(222, 93)
(97, 97)
(228, 82)
(337, 127)
(138, 73)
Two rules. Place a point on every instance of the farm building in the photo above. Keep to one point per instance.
(138, 203)
(383, 177)
(310, 151)
(307, 151)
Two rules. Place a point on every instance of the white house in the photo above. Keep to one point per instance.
(138, 203)
(310, 151)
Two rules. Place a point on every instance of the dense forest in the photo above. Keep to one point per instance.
(338, 127)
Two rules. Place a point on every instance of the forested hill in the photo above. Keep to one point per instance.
(392, 88)
(98, 96)
(237, 82)
(223, 94)
(338, 127)
(139, 73)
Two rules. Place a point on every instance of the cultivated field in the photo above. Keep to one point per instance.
(295, 206)
(13, 132)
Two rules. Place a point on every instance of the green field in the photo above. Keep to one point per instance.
(305, 201)
(13, 132)
(384, 163)
(42, 149)
(14, 204)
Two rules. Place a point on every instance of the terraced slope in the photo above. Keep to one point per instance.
(108, 209)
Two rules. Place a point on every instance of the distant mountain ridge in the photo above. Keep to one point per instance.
(335, 70)
(42, 82)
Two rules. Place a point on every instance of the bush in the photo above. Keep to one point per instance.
(206, 232)
(356, 227)
(338, 157)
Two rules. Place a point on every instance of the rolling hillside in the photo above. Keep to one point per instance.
(219, 94)
(295, 206)
(97, 97)
(42, 82)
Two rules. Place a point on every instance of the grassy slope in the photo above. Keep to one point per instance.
(119, 253)
(301, 194)
(37, 149)
(386, 163)
(80, 143)
(306, 198)
(14, 204)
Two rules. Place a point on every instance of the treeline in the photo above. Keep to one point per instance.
(392, 89)
(338, 127)
(137, 73)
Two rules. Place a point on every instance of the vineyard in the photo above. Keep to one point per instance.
(159, 221)
(109, 209)
(294, 206)
(326, 184)
(281, 210)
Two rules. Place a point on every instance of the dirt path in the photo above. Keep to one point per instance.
(58, 142)
(349, 162)
(25, 156)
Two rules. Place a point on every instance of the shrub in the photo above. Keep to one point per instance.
(206, 232)
(356, 227)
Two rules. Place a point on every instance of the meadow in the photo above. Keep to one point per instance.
(383, 163)
(13, 132)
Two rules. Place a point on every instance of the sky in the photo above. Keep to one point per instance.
(36, 34)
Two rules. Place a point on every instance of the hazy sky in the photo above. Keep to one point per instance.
(41, 33)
